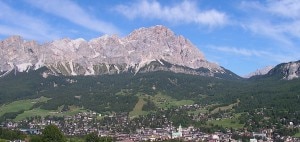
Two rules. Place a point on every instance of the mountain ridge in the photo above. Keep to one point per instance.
(261, 71)
(286, 71)
(107, 54)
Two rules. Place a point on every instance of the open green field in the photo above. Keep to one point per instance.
(2, 140)
(204, 109)
(27, 105)
(160, 101)
(200, 110)
(229, 107)
(164, 101)
(75, 139)
(297, 135)
(137, 110)
(44, 113)
(20, 105)
(228, 123)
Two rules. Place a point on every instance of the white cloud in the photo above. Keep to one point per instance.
(239, 51)
(278, 57)
(74, 13)
(278, 20)
(184, 12)
(16, 22)
(285, 8)
(276, 32)
(9, 31)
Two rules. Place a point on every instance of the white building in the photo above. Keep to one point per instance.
(177, 134)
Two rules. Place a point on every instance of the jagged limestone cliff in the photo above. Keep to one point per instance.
(144, 50)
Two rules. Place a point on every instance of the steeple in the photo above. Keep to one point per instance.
(180, 129)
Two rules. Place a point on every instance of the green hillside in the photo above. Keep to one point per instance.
(127, 92)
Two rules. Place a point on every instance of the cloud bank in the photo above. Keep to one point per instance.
(278, 20)
(17, 22)
(184, 12)
(72, 12)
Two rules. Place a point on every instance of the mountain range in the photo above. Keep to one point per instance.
(143, 50)
(150, 49)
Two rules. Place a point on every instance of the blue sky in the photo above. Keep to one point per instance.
(241, 36)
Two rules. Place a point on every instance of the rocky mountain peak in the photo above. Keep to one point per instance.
(107, 54)
(261, 71)
(158, 32)
(163, 40)
(287, 71)
(13, 39)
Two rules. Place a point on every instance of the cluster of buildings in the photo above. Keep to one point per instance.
(122, 128)
(114, 125)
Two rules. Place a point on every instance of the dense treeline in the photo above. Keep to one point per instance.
(93, 137)
(51, 133)
(101, 93)
(277, 99)
(149, 105)
(10, 115)
(117, 93)
(11, 134)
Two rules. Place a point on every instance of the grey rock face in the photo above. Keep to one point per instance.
(107, 54)
(17, 53)
(262, 71)
(288, 71)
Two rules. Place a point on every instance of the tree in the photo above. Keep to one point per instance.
(36, 138)
(51, 133)
(92, 137)
(11, 134)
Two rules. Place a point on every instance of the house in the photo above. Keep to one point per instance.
(259, 135)
(214, 138)
(31, 131)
